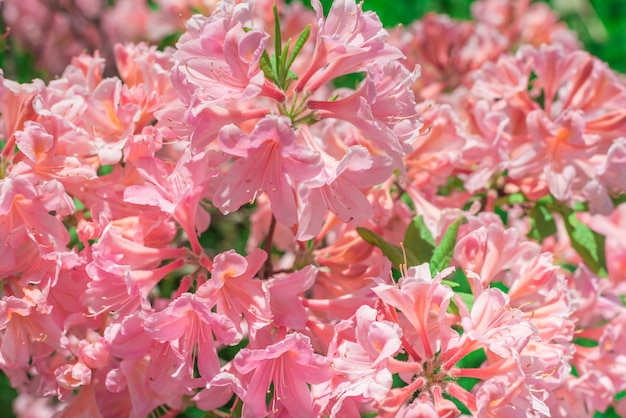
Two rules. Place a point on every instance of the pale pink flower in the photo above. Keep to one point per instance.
(177, 190)
(219, 59)
(109, 120)
(500, 396)
(72, 376)
(285, 293)
(436, 153)
(490, 250)
(25, 213)
(612, 173)
(290, 365)
(235, 292)
(42, 160)
(362, 361)
(16, 107)
(271, 161)
(423, 302)
(496, 326)
(338, 189)
(26, 327)
(446, 51)
(84, 404)
(219, 391)
(525, 23)
(382, 108)
(120, 289)
(611, 227)
(189, 323)
(561, 123)
(346, 39)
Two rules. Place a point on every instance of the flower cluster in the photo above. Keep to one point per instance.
(439, 235)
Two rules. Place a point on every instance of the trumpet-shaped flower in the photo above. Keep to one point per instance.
(271, 161)
(289, 365)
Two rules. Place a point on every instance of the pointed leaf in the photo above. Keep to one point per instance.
(419, 240)
(278, 42)
(541, 222)
(588, 244)
(304, 36)
(443, 253)
(282, 67)
(266, 66)
(393, 252)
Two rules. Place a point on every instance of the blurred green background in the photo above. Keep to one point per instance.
(600, 25)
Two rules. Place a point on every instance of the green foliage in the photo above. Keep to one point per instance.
(394, 253)
(7, 395)
(587, 243)
(541, 222)
(419, 240)
(443, 253)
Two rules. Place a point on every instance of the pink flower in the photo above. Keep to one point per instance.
(496, 326)
(285, 293)
(271, 161)
(446, 51)
(423, 302)
(25, 214)
(189, 323)
(109, 121)
(346, 39)
(177, 190)
(43, 161)
(73, 376)
(362, 362)
(233, 288)
(290, 365)
(383, 108)
(219, 57)
(339, 189)
(26, 327)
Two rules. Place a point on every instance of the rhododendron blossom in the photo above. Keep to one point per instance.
(284, 211)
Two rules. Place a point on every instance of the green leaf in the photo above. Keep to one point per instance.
(393, 252)
(7, 396)
(541, 222)
(282, 66)
(588, 244)
(443, 253)
(266, 66)
(278, 42)
(468, 299)
(459, 280)
(304, 36)
(419, 240)
(585, 342)
(473, 360)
